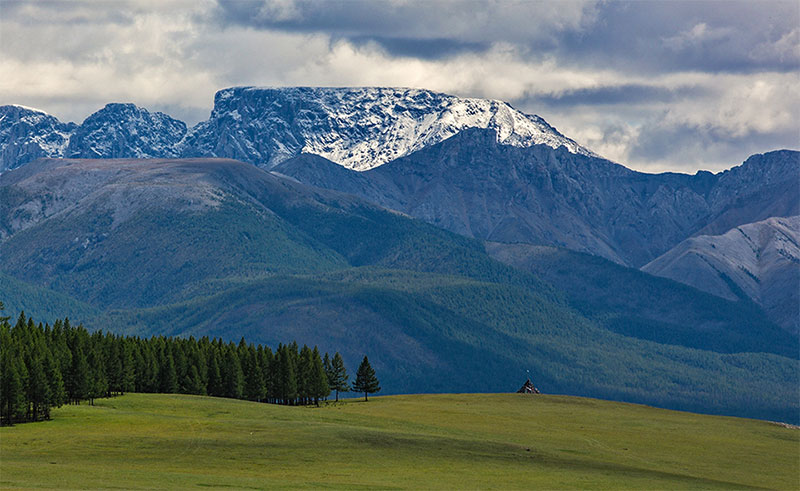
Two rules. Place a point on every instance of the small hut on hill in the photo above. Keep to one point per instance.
(528, 388)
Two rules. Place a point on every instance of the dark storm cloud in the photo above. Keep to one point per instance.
(710, 36)
(618, 94)
(414, 28)
(427, 49)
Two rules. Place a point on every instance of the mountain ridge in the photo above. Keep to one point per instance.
(359, 127)
(472, 185)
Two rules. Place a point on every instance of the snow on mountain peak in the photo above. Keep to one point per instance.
(357, 127)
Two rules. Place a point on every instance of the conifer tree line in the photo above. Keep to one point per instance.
(42, 367)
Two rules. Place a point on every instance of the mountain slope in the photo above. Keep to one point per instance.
(472, 185)
(359, 127)
(636, 304)
(224, 248)
(758, 261)
(476, 336)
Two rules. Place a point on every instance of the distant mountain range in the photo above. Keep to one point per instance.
(222, 248)
(532, 242)
(359, 128)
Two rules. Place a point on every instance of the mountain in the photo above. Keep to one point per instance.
(126, 131)
(759, 261)
(223, 248)
(473, 185)
(473, 166)
(359, 128)
(765, 185)
(27, 134)
(115, 131)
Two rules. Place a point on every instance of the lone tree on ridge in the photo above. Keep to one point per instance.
(366, 381)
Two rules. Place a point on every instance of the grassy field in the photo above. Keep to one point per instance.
(423, 441)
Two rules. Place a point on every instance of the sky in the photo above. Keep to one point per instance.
(657, 86)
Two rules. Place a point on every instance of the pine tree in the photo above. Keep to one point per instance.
(78, 384)
(305, 375)
(319, 379)
(287, 375)
(337, 376)
(97, 381)
(232, 377)
(255, 387)
(168, 383)
(215, 384)
(366, 381)
(128, 383)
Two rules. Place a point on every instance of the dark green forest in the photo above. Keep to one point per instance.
(43, 366)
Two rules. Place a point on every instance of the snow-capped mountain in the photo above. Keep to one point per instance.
(27, 134)
(126, 131)
(358, 128)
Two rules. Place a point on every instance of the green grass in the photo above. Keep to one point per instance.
(422, 441)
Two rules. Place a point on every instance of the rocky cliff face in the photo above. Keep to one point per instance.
(27, 134)
(126, 131)
(358, 128)
(758, 261)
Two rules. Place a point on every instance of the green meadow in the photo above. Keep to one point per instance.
(465, 441)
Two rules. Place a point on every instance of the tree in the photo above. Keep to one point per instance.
(231, 372)
(12, 378)
(319, 380)
(337, 375)
(366, 381)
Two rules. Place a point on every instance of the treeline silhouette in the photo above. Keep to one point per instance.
(42, 367)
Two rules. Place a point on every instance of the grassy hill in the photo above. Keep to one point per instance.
(140, 441)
